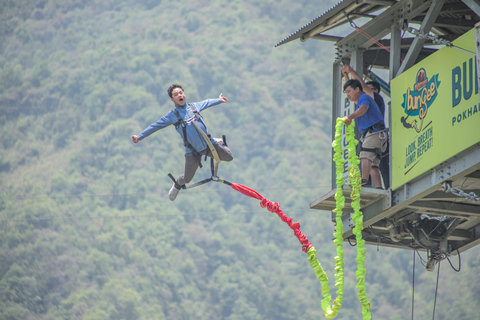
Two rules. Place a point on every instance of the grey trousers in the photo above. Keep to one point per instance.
(191, 161)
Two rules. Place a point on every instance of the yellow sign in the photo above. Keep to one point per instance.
(435, 110)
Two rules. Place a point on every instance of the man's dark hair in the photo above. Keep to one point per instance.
(172, 87)
(375, 84)
(354, 84)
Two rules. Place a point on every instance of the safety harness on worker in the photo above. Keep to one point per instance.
(383, 133)
(206, 137)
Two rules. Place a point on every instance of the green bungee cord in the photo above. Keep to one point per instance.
(357, 217)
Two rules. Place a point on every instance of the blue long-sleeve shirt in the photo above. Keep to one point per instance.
(193, 137)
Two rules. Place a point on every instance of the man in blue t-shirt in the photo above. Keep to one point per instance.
(372, 88)
(370, 123)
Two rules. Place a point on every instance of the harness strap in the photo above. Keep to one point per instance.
(210, 146)
(197, 116)
(207, 140)
(378, 151)
(377, 126)
(175, 181)
(187, 144)
(199, 183)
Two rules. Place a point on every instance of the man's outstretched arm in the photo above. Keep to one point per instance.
(221, 97)
(160, 124)
(202, 105)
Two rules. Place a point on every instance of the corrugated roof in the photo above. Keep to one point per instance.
(315, 22)
(454, 19)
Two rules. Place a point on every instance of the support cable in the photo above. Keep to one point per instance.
(435, 39)
(363, 33)
(413, 284)
(459, 262)
(436, 291)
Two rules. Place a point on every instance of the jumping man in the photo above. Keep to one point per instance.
(195, 145)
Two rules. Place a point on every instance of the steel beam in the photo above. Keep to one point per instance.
(417, 44)
(380, 26)
(446, 207)
(474, 5)
(395, 50)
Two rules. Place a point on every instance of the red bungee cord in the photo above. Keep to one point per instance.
(274, 207)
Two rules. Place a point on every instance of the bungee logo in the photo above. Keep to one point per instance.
(417, 101)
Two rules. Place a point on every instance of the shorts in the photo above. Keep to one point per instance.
(374, 140)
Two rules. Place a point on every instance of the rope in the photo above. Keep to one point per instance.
(436, 291)
(459, 262)
(357, 217)
(366, 35)
(363, 33)
(329, 310)
(273, 207)
(413, 284)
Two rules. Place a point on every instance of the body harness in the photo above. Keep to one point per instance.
(383, 134)
(206, 138)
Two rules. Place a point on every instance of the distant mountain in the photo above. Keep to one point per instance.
(87, 230)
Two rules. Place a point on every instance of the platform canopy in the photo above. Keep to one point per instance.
(434, 204)
(377, 18)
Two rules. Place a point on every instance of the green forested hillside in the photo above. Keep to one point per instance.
(86, 227)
